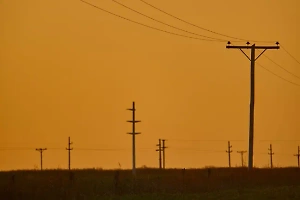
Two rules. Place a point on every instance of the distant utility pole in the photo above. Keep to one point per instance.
(242, 156)
(133, 133)
(69, 149)
(229, 151)
(298, 155)
(159, 152)
(271, 153)
(252, 90)
(164, 154)
(41, 150)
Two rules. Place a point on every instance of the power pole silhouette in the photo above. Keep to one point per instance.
(242, 156)
(164, 154)
(229, 151)
(69, 149)
(41, 150)
(133, 133)
(271, 153)
(252, 90)
(298, 155)
(159, 152)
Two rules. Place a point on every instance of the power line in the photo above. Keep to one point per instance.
(281, 67)
(199, 26)
(296, 84)
(151, 27)
(222, 40)
(290, 54)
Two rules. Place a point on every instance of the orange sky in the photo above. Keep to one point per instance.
(68, 69)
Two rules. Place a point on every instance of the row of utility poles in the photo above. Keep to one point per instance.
(229, 151)
(161, 148)
(270, 153)
(41, 150)
(162, 155)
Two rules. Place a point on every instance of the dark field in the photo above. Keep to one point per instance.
(214, 183)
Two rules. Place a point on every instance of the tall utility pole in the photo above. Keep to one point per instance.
(298, 155)
(133, 133)
(69, 149)
(41, 150)
(164, 154)
(252, 90)
(271, 153)
(242, 156)
(159, 152)
(229, 151)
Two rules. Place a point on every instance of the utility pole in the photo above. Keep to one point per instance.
(41, 150)
(159, 152)
(229, 151)
(133, 133)
(252, 90)
(271, 153)
(69, 149)
(164, 154)
(242, 156)
(298, 155)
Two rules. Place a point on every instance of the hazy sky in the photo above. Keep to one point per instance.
(68, 69)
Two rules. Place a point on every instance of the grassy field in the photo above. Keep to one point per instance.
(213, 183)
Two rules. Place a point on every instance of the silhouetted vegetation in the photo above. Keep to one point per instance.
(216, 183)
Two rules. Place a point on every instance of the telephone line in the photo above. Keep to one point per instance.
(281, 67)
(201, 27)
(296, 84)
(290, 54)
(141, 24)
(218, 39)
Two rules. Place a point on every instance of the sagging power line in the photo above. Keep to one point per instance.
(217, 39)
(147, 26)
(205, 29)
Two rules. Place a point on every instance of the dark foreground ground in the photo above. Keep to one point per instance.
(214, 183)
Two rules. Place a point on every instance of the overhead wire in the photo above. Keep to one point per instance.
(281, 67)
(296, 84)
(151, 27)
(289, 54)
(192, 24)
(168, 24)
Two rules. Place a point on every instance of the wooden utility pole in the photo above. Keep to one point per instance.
(159, 152)
(298, 155)
(271, 153)
(164, 153)
(252, 58)
(41, 150)
(229, 151)
(69, 149)
(242, 156)
(133, 133)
